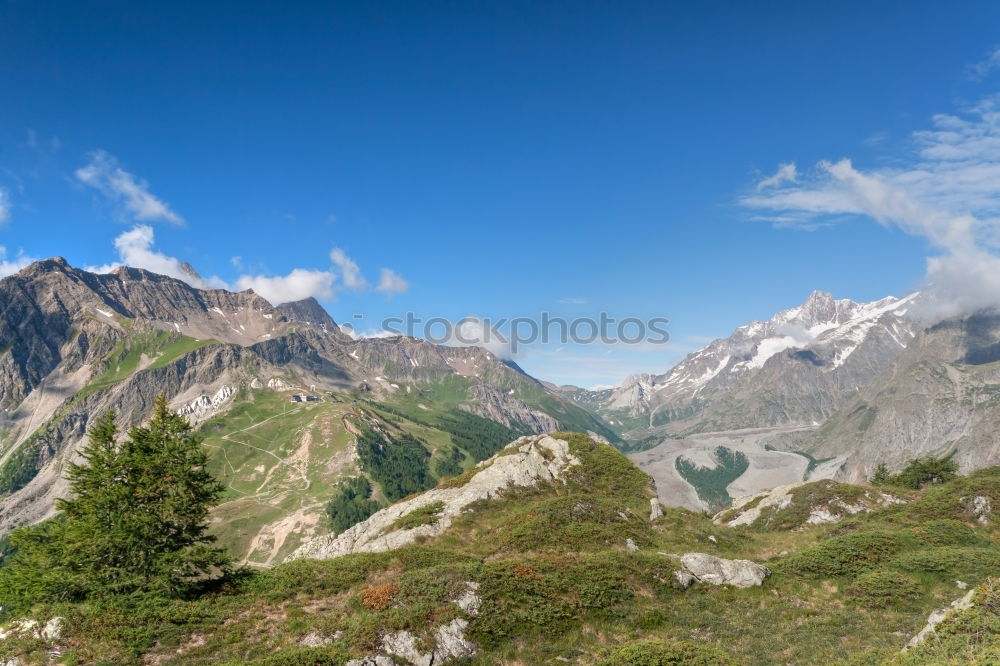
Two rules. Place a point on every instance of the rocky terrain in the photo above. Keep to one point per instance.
(527, 462)
(939, 397)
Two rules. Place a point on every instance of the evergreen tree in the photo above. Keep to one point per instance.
(881, 475)
(135, 521)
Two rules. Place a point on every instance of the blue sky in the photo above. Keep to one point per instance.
(505, 159)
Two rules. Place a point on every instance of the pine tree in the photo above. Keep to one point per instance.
(136, 520)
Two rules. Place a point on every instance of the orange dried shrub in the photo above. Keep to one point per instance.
(523, 571)
(379, 597)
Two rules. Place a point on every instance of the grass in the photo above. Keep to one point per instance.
(425, 515)
(160, 348)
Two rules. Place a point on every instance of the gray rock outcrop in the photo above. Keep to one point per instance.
(748, 510)
(526, 462)
(718, 571)
(940, 615)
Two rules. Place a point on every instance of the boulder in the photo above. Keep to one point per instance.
(718, 571)
(979, 507)
(655, 509)
(452, 643)
(685, 578)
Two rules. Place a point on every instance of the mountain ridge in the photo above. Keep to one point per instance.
(74, 344)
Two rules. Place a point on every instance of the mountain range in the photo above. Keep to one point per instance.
(75, 344)
(282, 395)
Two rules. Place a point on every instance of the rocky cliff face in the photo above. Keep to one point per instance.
(309, 312)
(51, 312)
(940, 396)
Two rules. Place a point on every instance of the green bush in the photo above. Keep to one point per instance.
(847, 555)
(578, 522)
(950, 562)
(547, 596)
(946, 532)
(919, 472)
(425, 515)
(666, 653)
(882, 589)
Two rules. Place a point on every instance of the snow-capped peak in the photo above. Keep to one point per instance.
(840, 326)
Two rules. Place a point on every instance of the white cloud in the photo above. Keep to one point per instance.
(123, 189)
(474, 332)
(982, 68)
(298, 284)
(947, 190)
(373, 333)
(11, 266)
(4, 206)
(135, 248)
(786, 173)
(391, 282)
(349, 272)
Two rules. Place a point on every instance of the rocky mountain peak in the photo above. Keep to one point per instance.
(825, 345)
(308, 311)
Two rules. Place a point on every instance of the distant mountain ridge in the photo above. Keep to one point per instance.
(797, 367)
(941, 396)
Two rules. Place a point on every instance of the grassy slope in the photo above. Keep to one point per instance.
(558, 584)
(280, 462)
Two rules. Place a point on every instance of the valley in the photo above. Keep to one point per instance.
(766, 467)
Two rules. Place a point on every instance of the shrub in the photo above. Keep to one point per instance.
(881, 589)
(847, 554)
(425, 515)
(547, 596)
(950, 562)
(946, 532)
(666, 653)
(379, 597)
(920, 472)
(578, 522)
